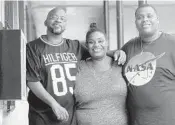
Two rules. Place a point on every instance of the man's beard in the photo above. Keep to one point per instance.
(56, 31)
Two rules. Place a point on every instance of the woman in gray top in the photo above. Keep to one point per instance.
(100, 89)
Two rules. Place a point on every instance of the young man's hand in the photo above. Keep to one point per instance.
(120, 56)
(60, 112)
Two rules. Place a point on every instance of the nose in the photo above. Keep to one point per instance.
(96, 44)
(145, 18)
(58, 19)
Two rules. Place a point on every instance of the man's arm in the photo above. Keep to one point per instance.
(119, 55)
(41, 93)
(33, 82)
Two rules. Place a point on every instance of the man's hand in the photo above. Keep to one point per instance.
(60, 112)
(38, 89)
(120, 56)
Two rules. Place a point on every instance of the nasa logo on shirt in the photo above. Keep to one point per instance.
(141, 68)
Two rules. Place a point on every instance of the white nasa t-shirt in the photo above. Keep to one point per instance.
(141, 68)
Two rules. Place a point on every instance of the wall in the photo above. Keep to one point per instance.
(128, 24)
(18, 116)
(77, 24)
(165, 12)
(80, 17)
(2, 13)
(13, 13)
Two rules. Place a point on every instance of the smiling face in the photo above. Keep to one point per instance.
(56, 21)
(97, 45)
(146, 21)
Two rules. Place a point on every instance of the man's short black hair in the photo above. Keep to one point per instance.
(145, 5)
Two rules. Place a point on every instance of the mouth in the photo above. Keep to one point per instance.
(57, 25)
(146, 25)
(97, 49)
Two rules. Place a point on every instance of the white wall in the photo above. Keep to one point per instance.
(165, 12)
(80, 15)
(2, 12)
(18, 116)
(79, 18)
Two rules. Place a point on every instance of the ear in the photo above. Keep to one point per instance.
(86, 44)
(107, 43)
(157, 19)
(45, 23)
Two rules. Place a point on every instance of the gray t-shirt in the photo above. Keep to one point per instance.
(150, 72)
(100, 97)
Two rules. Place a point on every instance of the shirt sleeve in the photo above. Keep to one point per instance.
(32, 65)
(124, 48)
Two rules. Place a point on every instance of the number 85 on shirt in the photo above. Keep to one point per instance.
(64, 72)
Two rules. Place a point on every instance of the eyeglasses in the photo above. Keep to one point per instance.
(61, 18)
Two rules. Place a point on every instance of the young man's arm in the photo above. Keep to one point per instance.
(118, 55)
(38, 89)
(33, 82)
